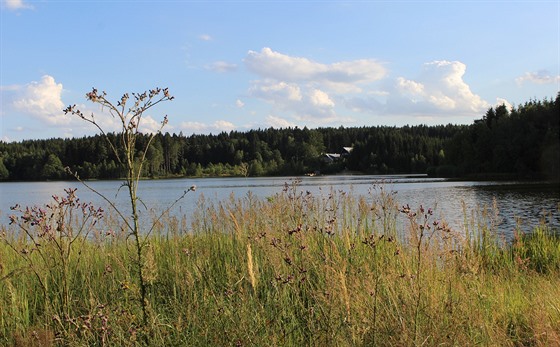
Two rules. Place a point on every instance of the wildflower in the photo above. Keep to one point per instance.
(288, 279)
(293, 231)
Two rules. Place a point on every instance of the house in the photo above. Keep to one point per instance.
(333, 157)
(346, 151)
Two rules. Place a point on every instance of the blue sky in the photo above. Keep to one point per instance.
(237, 65)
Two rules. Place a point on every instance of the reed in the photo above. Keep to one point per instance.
(290, 270)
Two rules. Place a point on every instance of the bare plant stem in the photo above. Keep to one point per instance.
(418, 283)
(375, 294)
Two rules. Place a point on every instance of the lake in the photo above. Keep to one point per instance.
(517, 202)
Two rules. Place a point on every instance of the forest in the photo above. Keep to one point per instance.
(522, 142)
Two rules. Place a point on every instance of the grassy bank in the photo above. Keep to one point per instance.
(291, 270)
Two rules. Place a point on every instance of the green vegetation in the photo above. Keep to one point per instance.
(521, 143)
(291, 270)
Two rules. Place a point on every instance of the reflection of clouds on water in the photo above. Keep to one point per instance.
(527, 202)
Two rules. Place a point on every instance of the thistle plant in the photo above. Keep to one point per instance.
(422, 229)
(131, 159)
(50, 241)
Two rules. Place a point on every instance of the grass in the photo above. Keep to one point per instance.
(291, 270)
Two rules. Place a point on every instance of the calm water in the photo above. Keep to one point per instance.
(525, 202)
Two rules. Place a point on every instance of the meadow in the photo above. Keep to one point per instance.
(293, 269)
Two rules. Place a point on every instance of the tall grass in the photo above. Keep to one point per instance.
(295, 269)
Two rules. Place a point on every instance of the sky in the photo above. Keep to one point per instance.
(240, 65)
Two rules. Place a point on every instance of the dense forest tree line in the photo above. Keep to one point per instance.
(523, 142)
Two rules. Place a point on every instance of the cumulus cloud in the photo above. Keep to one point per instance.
(239, 103)
(43, 100)
(445, 89)
(17, 5)
(311, 91)
(438, 91)
(277, 122)
(540, 77)
(149, 125)
(38, 106)
(501, 101)
(274, 65)
(310, 104)
(411, 88)
(317, 107)
(205, 128)
(221, 66)
(319, 98)
(306, 89)
(281, 93)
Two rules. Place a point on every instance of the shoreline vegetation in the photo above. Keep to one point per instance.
(518, 143)
(293, 269)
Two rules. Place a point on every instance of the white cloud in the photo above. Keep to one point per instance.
(540, 77)
(273, 65)
(38, 106)
(277, 122)
(439, 91)
(309, 104)
(319, 98)
(410, 87)
(221, 66)
(501, 101)
(43, 100)
(446, 90)
(310, 91)
(438, 95)
(239, 103)
(149, 125)
(316, 107)
(223, 125)
(17, 5)
(205, 128)
(205, 37)
(276, 92)
(307, 89)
